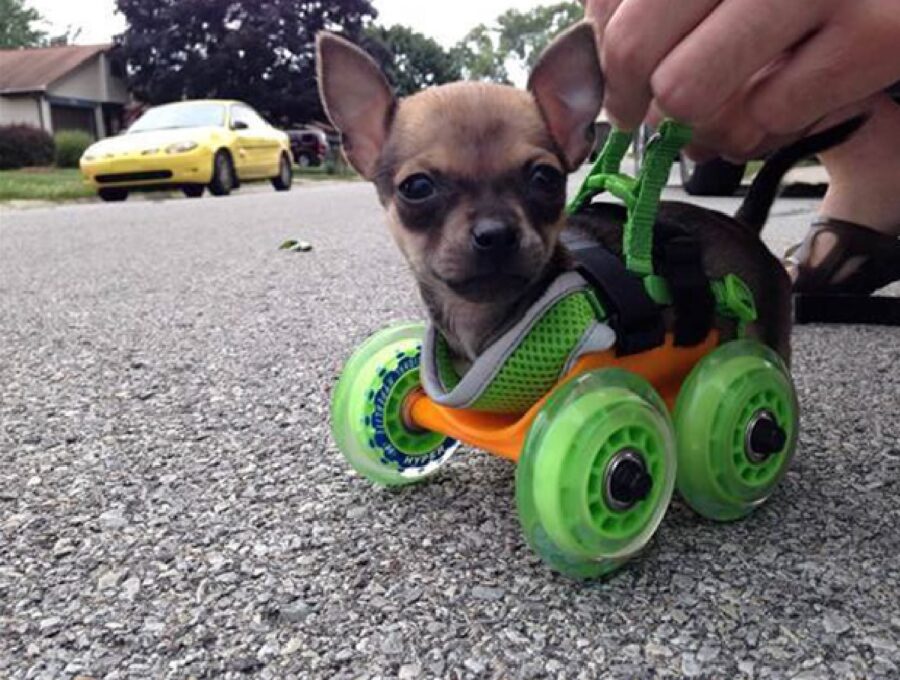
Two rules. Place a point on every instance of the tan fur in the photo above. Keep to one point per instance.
(479, 148)
(357, 98)
(482, 132)
(476, 130)
(479, 131)
(481, 145)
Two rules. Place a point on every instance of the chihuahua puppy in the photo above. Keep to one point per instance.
(473, 180)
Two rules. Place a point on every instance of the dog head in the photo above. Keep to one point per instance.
(472, 175)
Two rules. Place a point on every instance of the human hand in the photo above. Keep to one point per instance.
(748, 75)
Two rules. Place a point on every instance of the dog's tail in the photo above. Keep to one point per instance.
(754, 211)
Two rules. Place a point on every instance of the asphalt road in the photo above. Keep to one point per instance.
(172, 504)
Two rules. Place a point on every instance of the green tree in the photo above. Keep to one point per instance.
(259, 51)
(524, 35)
(515, 40)
(17, 25)
(410, 60)
(480, 57)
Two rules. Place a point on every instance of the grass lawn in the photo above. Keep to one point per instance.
(318, 173)
(57, 184)
(43, 184)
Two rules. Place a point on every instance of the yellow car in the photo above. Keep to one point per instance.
(190, 146)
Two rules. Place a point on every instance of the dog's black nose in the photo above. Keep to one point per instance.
(494, 236)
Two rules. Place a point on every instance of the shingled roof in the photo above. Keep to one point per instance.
(33, 70)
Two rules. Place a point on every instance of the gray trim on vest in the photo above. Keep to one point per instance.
(597, 338)
(488, 364)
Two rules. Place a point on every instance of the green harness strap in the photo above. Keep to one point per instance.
(641, 197)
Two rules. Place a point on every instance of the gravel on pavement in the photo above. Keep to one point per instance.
(172, 504)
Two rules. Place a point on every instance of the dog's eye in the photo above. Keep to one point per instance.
(546, 178)
(417, 187)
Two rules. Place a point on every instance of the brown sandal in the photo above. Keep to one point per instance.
(836, 269)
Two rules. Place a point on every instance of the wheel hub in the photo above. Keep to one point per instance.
(406, 412)
(627, 481)
(764, 437)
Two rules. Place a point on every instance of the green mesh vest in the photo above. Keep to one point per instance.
(521, 366)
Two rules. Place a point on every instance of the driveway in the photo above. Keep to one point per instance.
(172, 504)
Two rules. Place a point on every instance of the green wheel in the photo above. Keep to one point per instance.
(736, 421)
(596, 473)
(367, 419)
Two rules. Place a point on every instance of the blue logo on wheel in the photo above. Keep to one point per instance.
(380, 439)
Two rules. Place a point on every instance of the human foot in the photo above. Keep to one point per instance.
(853, 247)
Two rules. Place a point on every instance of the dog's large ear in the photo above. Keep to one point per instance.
(357, 99)
(568, 85)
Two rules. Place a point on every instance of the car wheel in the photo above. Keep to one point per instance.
(223, 175)
(285, 177)
(193, 190)
(304, 160)
(111, 195)
(717, 177)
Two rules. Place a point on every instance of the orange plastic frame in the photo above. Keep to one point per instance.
(665, 367)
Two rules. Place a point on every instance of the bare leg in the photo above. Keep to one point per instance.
(853, 248)
(865, 173)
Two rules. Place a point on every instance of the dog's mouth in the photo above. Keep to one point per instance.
(484, 287)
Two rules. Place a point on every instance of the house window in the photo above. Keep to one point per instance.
(73, 118)
(113, 115)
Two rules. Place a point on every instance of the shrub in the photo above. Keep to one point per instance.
(24, 145)
(70, 145)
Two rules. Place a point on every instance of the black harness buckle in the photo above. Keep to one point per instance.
(633, 315)
(681, 265)
(636, 318)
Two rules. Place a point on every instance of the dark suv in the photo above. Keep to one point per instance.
(308, 146)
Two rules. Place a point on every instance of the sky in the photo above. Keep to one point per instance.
(446, 21)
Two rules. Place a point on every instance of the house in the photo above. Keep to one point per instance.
(74, 87)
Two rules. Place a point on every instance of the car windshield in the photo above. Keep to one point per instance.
(180, 116)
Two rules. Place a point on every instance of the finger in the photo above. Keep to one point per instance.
(737, 137)
(699, 154)
(600, 12)
(738, 39)
(695, 152)
(655, 115)
(634, 42)
(731, 131)
(864, 107)
(845, 63)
